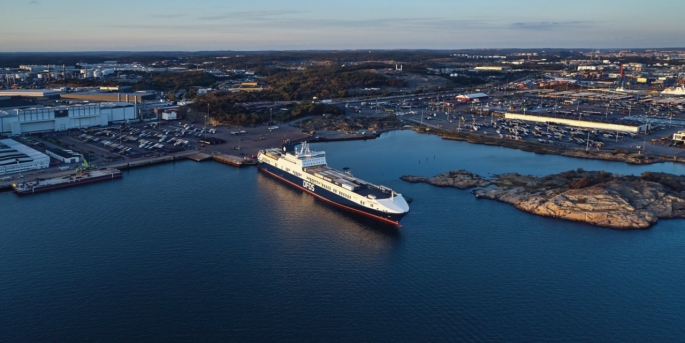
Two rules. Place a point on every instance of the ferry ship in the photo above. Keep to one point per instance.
(308, 171)
(74, 179)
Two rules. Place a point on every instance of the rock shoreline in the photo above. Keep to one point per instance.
(620, 155)
(593, 197)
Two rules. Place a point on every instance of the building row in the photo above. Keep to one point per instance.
(16, 158)
(118, 93)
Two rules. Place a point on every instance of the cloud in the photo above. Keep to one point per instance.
(34, 2)
(266, 20)
(167, 16)
(248, 15)
(549, 25)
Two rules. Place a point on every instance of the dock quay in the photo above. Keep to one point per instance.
(237, 161)
(141, 162)
(121, 165)
(233, 160)
(199, 157)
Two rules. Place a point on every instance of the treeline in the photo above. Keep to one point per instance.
(325, 82)
(180, 80)
(317, 109)
(157, 81)
(227, 109)
(336, 58)
(13, 60)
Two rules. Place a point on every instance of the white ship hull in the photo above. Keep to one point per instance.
(309, 172)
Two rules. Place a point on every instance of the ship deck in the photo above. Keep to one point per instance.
(337, 177)
(91, 174)
(345, 180)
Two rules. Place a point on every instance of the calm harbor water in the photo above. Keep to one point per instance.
(204, 252)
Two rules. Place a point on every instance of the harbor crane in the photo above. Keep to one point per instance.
(86, 166)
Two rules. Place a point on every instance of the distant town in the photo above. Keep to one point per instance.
(59, 111)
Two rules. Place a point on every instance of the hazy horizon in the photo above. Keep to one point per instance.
(267, 25)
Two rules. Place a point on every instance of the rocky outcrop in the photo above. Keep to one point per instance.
(461, 179)
(630, 158)
(597, 198)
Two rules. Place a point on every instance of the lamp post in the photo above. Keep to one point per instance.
(587, 141)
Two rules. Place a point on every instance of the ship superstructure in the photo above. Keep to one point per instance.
(308, 171)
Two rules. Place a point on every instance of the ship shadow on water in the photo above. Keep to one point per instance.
(292, 195)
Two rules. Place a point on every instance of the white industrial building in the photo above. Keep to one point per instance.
(16, 157)
(64, 156)
(19, 121)
(492, 68)
(590, 68)
(31, 93)
(600, 125)
(472, 97)
(170, 115)
(679, 136)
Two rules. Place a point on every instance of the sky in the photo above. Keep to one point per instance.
(194, 25)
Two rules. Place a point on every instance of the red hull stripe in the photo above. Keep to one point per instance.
(331, 202)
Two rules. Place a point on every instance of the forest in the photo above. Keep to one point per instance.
(324, 82)
(227, 110)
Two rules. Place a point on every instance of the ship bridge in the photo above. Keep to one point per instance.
(306, 158)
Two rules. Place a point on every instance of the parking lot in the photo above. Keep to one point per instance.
(481, 118)
(121, 142)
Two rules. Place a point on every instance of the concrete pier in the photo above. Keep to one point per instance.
(199, 157)
(233, 160)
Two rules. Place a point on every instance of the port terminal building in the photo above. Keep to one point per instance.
(679, 137)
(16, 157)
(594, 123)
(26, 120)
(64, 156)
(492, 68)
(472, 97)
(31, 93)
(116, 96)
(111, 94)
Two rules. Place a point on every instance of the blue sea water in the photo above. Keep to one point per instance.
(204, 252)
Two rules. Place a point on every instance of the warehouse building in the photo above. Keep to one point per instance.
(110, 96)
(18, 121)
(16, 158)
(679, 137)
(472, 97)
(31, 93)
(492, 68)
(622, 125)
(64, 156)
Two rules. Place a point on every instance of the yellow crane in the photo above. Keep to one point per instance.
(86, 165)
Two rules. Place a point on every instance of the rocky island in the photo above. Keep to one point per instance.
(594, 197)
